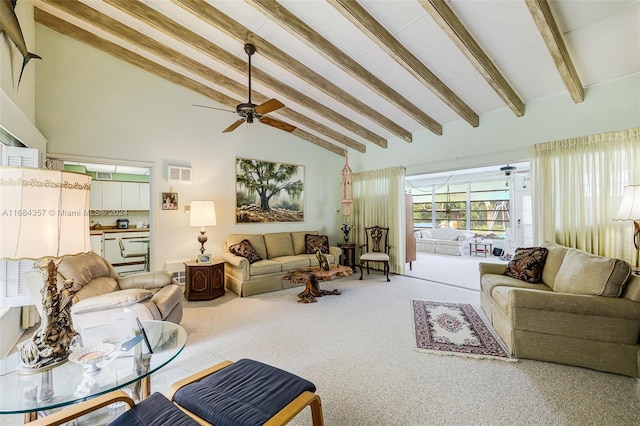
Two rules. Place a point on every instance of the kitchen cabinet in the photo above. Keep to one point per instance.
(95, 195)
(130, 196)
(96, 243)
(110, 195)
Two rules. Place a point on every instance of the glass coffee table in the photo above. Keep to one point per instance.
(68, 383)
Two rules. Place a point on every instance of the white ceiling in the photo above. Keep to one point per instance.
(602, 38)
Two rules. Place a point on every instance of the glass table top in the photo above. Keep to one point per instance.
(67, 383)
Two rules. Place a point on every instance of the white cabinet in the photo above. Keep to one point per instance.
(145, 196)
(95, 195)
(96, 243)
(130, 196)
(111, 195)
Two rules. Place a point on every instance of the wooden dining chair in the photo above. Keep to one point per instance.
(375, 249)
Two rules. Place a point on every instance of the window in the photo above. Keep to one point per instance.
(482, 207)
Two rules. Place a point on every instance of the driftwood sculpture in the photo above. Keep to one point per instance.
(312, 290)
(322, 261)
(50, 344)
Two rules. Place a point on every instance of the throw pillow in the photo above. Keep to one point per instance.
(314, 242)
(246, 250)
(527, 264)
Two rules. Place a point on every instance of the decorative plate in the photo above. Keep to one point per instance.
(89, 357)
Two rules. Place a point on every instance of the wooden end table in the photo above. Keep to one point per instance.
(204, 281)
(348, 255)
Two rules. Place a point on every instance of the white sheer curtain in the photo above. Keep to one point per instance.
(378, 199)
(577, 186)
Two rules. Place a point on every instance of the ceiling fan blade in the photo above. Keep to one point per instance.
(210, 107)
(277, 124)
(233, 126)
(267, 107)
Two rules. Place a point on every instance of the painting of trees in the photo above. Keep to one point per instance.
(269, 192)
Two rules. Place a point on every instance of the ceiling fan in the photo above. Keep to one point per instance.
(507, 170)
(250, 111)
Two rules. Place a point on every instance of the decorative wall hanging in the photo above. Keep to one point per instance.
(347, 194)
(269, 192)
(169, 201)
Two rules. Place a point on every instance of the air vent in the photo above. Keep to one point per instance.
(103, 176)
(179, 174)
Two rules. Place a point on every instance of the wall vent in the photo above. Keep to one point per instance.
(103, 176)
(179, 174)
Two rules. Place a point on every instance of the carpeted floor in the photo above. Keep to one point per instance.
(358, 349)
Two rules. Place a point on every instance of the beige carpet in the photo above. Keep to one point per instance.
(358, 350)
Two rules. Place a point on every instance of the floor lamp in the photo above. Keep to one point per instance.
(630, 211)
(45, 215)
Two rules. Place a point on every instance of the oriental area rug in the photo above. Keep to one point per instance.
(455, 329)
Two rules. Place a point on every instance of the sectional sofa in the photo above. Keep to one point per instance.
(280, 252)
(584, 312)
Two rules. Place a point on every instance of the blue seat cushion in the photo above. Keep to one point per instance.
(156, 410)
(245, 393)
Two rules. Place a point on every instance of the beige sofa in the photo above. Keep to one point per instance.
(451, 241)
(586, 312)
(101, 292)
(280, 252)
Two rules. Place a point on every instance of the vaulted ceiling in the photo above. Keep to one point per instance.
(354, 74)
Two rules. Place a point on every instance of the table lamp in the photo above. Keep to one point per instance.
(45, 215)
(630, 211)
(203, 213)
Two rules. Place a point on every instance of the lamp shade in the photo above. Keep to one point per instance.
(43, 213)
(630, 207)
(203, 213)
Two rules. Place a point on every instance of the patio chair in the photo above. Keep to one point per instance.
(375, 249)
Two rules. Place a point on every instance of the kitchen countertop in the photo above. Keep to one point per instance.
(112, 229)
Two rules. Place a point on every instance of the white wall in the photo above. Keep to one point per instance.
(91, 104)
(502, 137)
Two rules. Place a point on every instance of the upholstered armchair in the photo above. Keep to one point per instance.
(100, 291)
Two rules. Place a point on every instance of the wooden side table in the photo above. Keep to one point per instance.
(204, 281)
(348, 255)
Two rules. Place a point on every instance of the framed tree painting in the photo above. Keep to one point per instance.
(269, 192)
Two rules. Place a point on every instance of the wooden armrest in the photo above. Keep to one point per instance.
(85, 407)
(194, 378)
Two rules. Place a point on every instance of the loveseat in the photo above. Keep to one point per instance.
(100, 291)
(450, 241)
(278, 253)
(585, 311)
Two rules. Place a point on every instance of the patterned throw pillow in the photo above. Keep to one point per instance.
(314, 242)
(527, 264)
(246, 250)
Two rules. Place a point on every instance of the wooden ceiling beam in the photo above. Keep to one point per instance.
(313, 39)
(110, 25)
(157, 20)
(233, 29)
(467, 44)
(548, 28)
(65, 28)
(358, 16)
